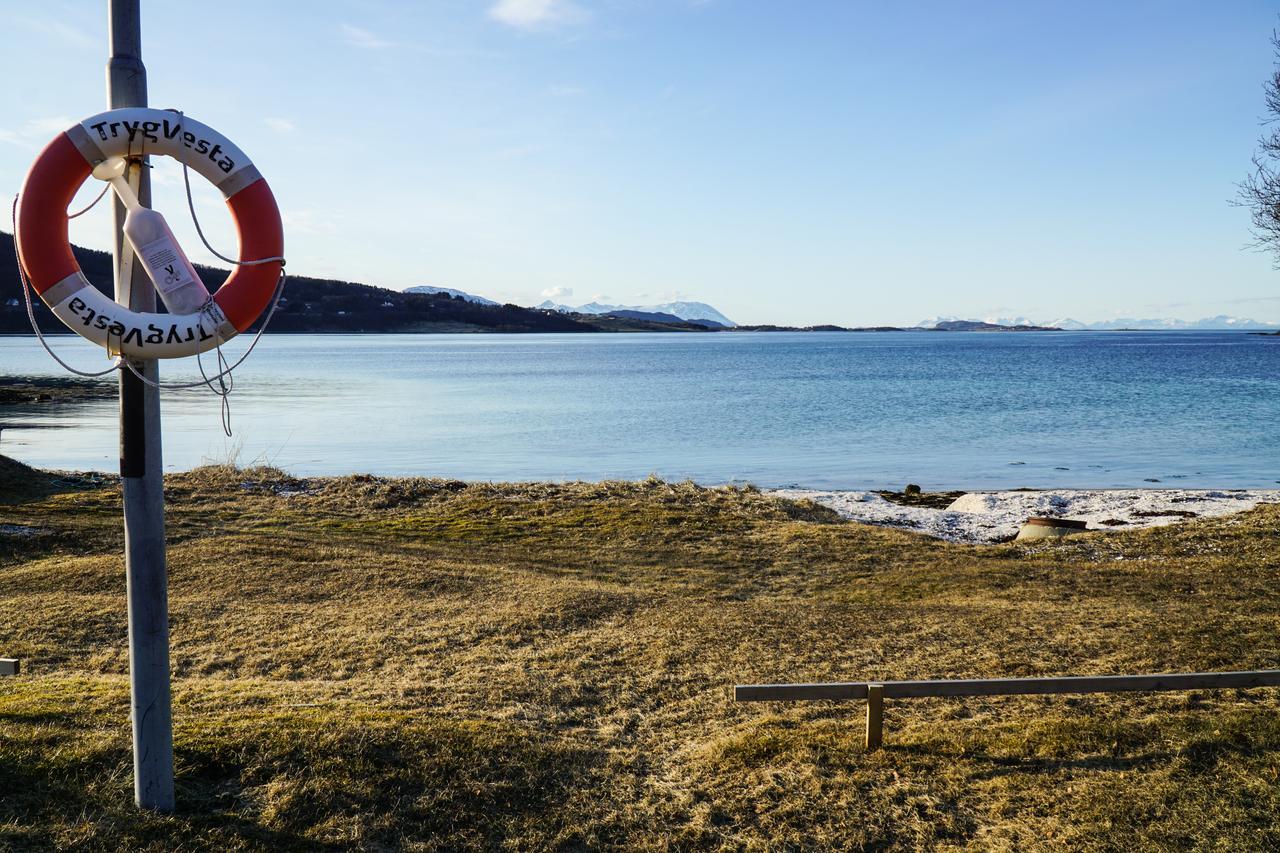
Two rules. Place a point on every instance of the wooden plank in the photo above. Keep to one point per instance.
(1010, 686)
(797, 692)
(875, 716)
(10, 666)
(1082, 684)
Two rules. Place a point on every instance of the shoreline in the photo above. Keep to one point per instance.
(991, 516)
(446, 328)
(925, 500)
(973, 517)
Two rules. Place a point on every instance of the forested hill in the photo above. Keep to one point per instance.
(318, 305)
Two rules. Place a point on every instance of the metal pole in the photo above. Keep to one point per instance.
(141, 472)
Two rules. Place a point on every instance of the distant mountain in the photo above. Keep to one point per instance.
(690, 311)
(932, 322)
(1220, 322)
(1011, 321)
(693, 311)
(1069, 325)
(449, 291)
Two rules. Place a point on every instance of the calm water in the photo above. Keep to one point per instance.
(829, 410)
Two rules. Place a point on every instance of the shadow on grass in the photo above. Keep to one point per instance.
(1004, 764)
(308, 780)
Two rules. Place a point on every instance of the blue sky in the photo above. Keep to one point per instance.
(808, 162)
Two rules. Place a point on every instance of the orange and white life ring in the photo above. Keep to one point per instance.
(44, 247)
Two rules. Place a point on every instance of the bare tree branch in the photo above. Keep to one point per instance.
(1260, 191)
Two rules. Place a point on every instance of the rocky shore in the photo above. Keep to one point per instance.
(27, 390)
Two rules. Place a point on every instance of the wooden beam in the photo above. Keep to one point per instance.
(799, 692)
(875, 716)
(10, 666)
(1009, 686)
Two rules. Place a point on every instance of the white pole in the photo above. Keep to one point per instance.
(141, 472)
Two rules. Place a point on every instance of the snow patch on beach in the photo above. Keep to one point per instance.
(996, 516)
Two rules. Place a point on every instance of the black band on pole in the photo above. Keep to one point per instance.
(133, 432)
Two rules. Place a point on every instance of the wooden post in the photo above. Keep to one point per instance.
(875, 716)
(10, 666)
(141, 471)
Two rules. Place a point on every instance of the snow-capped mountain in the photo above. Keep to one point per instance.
(449, 291)
(930, 322)
(1068, 324)
(1222, 321)
(1012, 321)
(548, 305)
(693, 311)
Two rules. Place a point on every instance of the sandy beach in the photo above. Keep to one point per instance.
(996, 516)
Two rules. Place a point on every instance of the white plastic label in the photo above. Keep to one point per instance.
(167, 267)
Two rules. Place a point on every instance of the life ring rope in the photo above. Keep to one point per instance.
(31, 312)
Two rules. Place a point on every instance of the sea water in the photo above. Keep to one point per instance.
(822, 410)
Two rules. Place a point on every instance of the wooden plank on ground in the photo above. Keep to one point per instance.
(1010, 686)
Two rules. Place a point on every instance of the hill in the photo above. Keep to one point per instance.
(662, 317)
(693, 312)
(365, 663)
(982, 326)
(1221, 322)
(314, 305)
(628, 321)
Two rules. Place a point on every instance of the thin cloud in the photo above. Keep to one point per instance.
(58, 30)
(35, 132)
(557, 293)
(517, 152)
(535, 14)
(49, 125)
(280, 125)
(362, 38)
(309, 221)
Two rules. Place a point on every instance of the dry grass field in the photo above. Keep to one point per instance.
(378, 664)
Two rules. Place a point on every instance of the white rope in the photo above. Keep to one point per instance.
(226, 381)
(226, 371)
(92, 204)
(31, 313)
(191, 205)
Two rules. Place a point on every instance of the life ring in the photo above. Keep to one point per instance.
(44, 247)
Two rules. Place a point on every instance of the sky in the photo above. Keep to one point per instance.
(824, 161)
